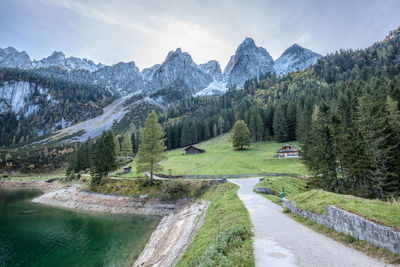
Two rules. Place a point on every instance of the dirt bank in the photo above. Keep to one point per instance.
(179, 223)
(41, 185)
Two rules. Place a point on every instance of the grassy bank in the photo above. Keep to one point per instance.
(220, 158)
(225, 237)
(382, 212)
(161, 189)
(293, 187)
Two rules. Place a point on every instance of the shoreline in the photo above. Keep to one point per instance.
(178, 225)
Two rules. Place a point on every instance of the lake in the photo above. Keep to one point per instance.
(38, 235)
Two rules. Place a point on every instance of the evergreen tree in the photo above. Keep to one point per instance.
(318, 150)
(215, 130)
(291, 120)
(152, 147)
(221, 125)
(126, 146)
(117, 146)
(133, 141)
(240, 135)
(186, 134)
(104, 158)
(280, 126)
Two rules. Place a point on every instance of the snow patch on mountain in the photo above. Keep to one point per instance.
(214, 88)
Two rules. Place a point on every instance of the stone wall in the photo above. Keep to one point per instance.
(353, 225)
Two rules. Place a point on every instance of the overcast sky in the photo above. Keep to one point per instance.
(110, 31)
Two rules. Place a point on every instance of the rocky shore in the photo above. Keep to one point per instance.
(178, 225)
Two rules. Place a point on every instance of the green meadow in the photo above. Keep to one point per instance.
(221, 158)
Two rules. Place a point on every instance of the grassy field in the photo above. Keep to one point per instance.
(220, 158)
(386, 213)
(224, 239)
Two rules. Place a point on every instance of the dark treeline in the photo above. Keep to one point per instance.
(196, 119)
(98, 156)
(72, 102)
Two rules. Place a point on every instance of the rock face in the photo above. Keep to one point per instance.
(123, 77)
(179, 67)
(58, 59)
(213, 68)
(295, 58)
(11, 58)
(249, 61)
(18, 97)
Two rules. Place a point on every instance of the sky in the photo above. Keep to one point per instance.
(144, 31)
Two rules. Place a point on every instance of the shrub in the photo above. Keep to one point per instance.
(216, 253)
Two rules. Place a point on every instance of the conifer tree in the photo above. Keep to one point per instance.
(240, 135)
(280, 126)
(152, 147)
(133, 141)
(117, 146)
(104, 159)
(127, 145)
(186, 135)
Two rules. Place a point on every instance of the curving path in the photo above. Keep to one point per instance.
(281, 241)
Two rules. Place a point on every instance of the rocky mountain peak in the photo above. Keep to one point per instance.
(213, 68)
(295, 58)
(249, 61)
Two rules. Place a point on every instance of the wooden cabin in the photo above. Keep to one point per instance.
(127, 169)
(192, 150)
(287, 151)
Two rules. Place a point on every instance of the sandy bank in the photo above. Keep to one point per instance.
(179, 223)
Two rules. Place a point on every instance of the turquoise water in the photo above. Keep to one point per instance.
(37, 235)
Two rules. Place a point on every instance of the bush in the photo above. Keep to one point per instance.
(216, 254)
(183, 188)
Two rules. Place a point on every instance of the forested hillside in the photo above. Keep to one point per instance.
(32, 105)
(344, 109)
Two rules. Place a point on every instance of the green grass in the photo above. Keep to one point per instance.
(315, 201)
(293, 186)
(160, 189)
(220, 158)
(225, 216)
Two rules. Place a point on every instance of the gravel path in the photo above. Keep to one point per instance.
(281, 241)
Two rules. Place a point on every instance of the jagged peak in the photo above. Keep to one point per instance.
(296, 48)
(57, 54)
(178, 53)
(248, 41)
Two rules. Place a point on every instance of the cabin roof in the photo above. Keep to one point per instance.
(126, 167)
(186, 148)
(291, 149)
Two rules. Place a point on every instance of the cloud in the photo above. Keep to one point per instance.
(145, 31)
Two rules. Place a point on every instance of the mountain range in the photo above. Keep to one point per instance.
(249, 61)
(74, 89)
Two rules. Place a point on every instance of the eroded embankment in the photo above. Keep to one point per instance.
(179, 223)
